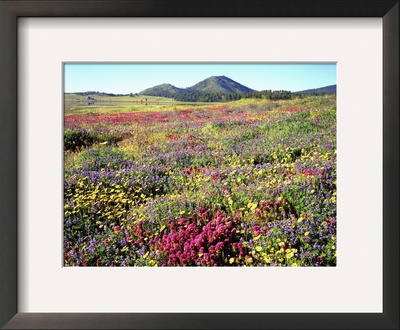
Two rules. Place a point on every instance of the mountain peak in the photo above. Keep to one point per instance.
(220, 84)
(213, 84)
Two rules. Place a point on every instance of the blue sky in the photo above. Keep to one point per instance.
(125, 78)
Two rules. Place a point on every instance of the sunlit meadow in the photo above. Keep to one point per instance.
(244, 183)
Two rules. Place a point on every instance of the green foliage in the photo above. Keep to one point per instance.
(208, 96)
(75, 140)
(296, 197)
(292, 126)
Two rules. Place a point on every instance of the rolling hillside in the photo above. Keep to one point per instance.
(214, 84)
(163, 90)
(327, 89)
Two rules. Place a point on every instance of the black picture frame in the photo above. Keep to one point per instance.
(388, 10)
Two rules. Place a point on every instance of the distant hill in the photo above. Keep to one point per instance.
(163, 90)
(96, 93)
(214, 84)
(220, 84)
(327, 89)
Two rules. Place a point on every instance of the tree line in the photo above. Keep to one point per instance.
(226, 97)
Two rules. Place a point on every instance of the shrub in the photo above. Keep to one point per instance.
(75, 140)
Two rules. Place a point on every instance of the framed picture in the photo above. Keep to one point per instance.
(359, 292)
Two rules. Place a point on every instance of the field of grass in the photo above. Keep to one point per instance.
(79, 104)
(246, 183)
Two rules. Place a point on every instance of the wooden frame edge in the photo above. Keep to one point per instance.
(9, 13)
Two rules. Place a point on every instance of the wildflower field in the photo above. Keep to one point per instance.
(244, 183)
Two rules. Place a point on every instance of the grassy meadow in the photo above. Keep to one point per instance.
(77, 104)
(243, 183)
